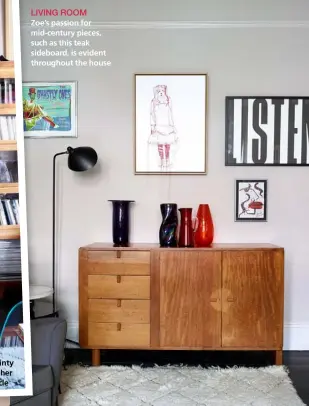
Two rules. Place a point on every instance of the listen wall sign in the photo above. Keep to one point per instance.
(267, 131)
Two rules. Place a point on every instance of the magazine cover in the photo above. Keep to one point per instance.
(15, 342)
(155, 137)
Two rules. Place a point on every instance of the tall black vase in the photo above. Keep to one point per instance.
(168, 228)
(121, 222)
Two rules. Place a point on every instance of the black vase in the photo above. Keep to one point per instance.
(168, 228)
(121, 222)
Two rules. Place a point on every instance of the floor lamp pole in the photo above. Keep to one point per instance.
(80, 159)
(54, 229)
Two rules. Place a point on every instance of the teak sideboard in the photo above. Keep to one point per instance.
(227, 297)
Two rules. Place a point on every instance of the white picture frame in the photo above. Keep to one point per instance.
(170, 124)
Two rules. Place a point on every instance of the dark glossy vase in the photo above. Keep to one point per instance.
(121, 222)
(168, 228)
(185, 239)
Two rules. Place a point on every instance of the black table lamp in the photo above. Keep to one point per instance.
(80, 159)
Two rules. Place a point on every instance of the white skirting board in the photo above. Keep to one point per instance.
(296, 336)
(72, 331)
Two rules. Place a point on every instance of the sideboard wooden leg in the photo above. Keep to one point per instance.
(279, 359)
(96, 358)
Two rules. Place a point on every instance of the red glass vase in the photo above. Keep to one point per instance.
(204, 228)
(185, 238)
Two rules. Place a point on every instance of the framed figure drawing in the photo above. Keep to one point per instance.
(170, 123)
(251, 200)
(267, 131)
(50, 109)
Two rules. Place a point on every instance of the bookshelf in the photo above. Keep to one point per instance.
(7, 109)
(8, 144)
(7, 70)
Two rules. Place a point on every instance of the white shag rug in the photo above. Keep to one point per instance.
(17, 378)
(177, 385)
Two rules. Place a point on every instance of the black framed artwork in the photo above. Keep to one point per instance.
(267, 131)
(251, 200)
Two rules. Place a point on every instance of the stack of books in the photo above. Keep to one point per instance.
(11, 340)
(7, 91)
(10, 260)
(7, 128)
(7, 123)
(9, 211)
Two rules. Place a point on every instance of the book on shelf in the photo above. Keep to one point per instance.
(10, 260)
(9, 212)
(11, 341)
(7, 128)
(7, 94)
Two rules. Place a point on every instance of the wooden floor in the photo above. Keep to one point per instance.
(296, 361)
(298, 364)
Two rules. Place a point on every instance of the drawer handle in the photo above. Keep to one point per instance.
(214, 299)
(118, 326)
(118, 278)
(118, 254)
(230, 299)
(118, 303)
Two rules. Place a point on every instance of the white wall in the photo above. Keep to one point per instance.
(263, 58)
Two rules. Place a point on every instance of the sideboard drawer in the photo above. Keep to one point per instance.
(118, 335)
(119, 262)
(118, 287)
(118, 311)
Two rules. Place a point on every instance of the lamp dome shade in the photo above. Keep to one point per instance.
(81, 158)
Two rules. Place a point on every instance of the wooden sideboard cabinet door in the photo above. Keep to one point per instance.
(252, 299)
(190, 299)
